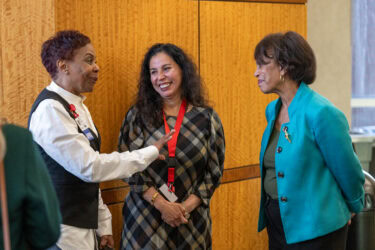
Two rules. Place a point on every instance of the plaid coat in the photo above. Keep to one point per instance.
(200, 158)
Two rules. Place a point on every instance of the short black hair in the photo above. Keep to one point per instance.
(61, 46)
(292, 52)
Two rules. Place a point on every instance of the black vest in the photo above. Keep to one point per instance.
(78, 199)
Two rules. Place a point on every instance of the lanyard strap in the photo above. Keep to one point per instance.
(173, 143)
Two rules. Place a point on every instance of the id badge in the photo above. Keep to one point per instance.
(88, 134)
(169, 195)
(81, 124)
(85, 129)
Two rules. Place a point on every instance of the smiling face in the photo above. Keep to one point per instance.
(83, 70)
(166, 76)
(268, 74)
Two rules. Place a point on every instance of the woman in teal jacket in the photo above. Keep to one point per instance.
(312, 181)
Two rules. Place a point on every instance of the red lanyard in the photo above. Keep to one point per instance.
(172, 144)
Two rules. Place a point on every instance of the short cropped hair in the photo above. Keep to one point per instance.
(61, 46)
(292, 52)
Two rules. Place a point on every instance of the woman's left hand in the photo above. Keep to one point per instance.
(172, 213)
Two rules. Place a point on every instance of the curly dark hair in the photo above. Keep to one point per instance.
(61, 46)
(149, 103)
(292, 52)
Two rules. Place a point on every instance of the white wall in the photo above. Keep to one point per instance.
(328, 32)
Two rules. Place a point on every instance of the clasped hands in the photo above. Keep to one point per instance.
(174, 214)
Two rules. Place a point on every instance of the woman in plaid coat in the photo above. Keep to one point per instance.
(168, 204)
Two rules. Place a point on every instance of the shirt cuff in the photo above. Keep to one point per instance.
(104, 227)
(150, 154)
(357, 205)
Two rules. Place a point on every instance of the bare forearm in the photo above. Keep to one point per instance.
(171, 213)
(191, 203)
(152, 196)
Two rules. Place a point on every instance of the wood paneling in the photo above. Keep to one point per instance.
(2, 103)
(263, 1)
(234, 210)
(220, 37)
(115, 195)
(24, 25)
(116, 211)
(229, 33)
(121, 32)
(240, 173)
(118, 193)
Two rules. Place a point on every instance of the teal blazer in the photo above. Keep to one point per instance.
(319, 177)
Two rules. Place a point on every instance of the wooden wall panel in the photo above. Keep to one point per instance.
(2, 103)
(234, 210)
(265, 1)
(116, 211)
(121, 31)
(229, 33)
(24, 25)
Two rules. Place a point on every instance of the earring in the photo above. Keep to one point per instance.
(282, 78)
(66, 71)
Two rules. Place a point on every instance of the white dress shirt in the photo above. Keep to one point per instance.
(57, 133)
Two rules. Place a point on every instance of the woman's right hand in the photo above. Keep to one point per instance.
(160, 143)
(172, 213)
(350, 220)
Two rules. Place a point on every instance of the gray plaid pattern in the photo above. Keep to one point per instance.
(200, 160)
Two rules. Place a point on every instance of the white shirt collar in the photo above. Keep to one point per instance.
(68, 96)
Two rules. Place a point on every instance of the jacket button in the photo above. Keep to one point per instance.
(279, 149)
(280, 174)
(283, 199)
